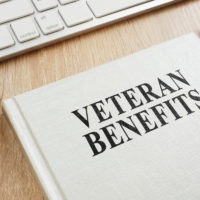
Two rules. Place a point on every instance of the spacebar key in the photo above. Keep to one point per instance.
(102, 8)
(15, 9)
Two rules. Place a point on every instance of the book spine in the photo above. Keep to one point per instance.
(32, 150)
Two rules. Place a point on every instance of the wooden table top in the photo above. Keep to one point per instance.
(32, 70)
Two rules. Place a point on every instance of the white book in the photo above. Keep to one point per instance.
(127, 130)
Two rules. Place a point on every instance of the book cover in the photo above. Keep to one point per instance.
(126, 130)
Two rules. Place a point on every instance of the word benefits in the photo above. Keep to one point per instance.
(137, 111)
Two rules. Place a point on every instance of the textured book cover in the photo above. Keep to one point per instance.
(127, 130)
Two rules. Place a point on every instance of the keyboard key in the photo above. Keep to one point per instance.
(75, 13)
(49, 22)
(6, 39)
(43, 5)
(15, 9)
(66, 1)
(25, 30)
(2, 1)
(102, 8)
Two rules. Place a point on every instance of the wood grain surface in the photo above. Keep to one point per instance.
(24, 73)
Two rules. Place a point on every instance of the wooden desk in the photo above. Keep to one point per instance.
(21, 74)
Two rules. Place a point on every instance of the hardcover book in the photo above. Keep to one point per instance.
(127, 130)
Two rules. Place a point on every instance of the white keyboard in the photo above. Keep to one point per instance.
(26, 25)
